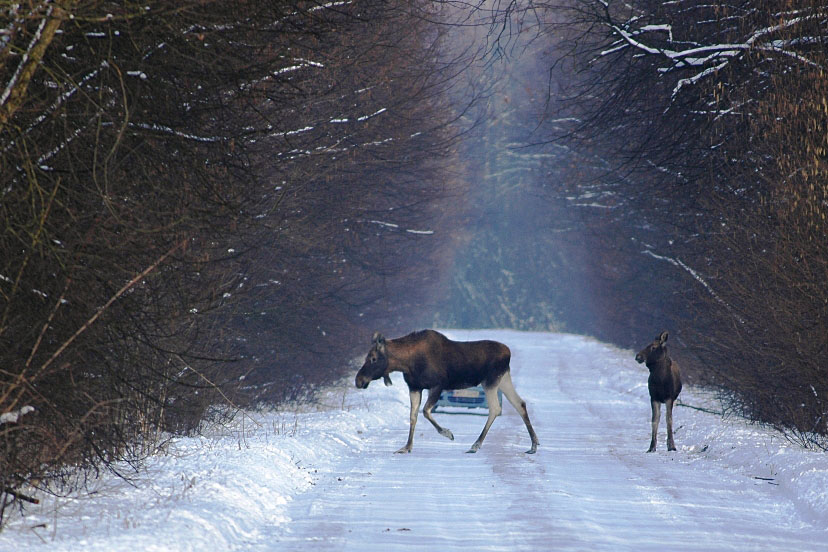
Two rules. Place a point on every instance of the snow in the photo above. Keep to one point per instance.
(326, 478)
(709, 59)
(14, 81)
(13, 416)
(396, 226)
(366, 117)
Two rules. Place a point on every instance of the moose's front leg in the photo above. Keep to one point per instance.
(433, 397)
(656, 407)
(671, 444)
(416, 396)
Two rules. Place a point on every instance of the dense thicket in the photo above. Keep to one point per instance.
(205, 203)
(710, 119)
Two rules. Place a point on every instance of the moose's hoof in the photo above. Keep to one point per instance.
(447, 434)
(533, 450)
(403, 450)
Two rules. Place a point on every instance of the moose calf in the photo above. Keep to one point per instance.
(664, 384)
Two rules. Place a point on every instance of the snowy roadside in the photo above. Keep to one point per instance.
(211, 492)
(228, 489)
(733, 443)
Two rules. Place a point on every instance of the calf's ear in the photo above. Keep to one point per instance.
(663, 337)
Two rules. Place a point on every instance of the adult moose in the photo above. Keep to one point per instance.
(429, 360)
(664, 384)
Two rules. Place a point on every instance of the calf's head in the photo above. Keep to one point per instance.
(654, 351)
(376, 362)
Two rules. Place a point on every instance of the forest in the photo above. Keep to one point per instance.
(210, 206)
(670, 158)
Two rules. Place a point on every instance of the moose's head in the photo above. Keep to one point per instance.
(654, 351)
(376, 362)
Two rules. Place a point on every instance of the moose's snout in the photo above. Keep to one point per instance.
(361, 381)
(639, 358)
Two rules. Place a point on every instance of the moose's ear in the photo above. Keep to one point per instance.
(379, 342)
(663, 337)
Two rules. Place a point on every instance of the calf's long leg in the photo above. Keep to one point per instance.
(494, 412)
(415, 396)
(508, 389)
(671, 445)
(656, 406)
(433, 397)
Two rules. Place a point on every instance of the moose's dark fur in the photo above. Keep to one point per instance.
(429, 360)
(664, 384)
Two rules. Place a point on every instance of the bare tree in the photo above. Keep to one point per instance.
(172, 171)
(705, 116)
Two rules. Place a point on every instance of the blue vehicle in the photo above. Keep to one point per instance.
(472, 397)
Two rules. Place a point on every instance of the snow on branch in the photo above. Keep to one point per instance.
(696, 276)
(366, 117)
(14, 92)
(647, 38)
(16, 76)
(163, 129)
(299, 63)
(393, 226)
(783, 25)
(14, 416)
(696, 78)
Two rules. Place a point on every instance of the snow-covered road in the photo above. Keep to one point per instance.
(328, 480)
(590, 487)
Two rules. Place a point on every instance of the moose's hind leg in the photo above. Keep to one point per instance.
(494, 412)
(508, 389)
